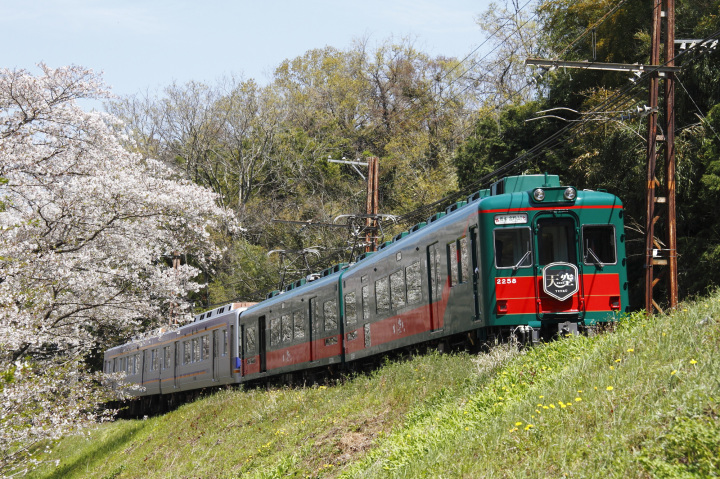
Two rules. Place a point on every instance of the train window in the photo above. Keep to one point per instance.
(330, 312)
(366, 302)
(599, 244)
(464, 260)
(556, 240)
(512, 248)
(397, 289)
(195, 350)
(225, 342)
(452, 261)
(274, 331)
(299, 324)
(136, 364)
(250, 340)
(350, 308)
(382, 295)
(366, 329)
(414, 283)
(286, 328)
(167, 355)
(153, 360)
(187, 352)
(205, 346)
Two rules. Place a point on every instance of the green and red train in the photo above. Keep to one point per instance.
(527, 257)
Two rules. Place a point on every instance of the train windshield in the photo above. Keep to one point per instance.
(556, 241)
(599, 244)
(512, 248)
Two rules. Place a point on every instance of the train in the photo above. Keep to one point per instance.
(526, 257)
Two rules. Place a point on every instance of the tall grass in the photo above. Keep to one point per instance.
(641, 401)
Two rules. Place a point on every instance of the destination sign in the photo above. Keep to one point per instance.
(518, 219)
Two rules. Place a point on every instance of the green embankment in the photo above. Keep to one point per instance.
(641, 401)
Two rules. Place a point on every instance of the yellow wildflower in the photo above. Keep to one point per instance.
(609, 388)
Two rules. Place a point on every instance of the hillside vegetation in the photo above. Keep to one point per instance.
(639, 401)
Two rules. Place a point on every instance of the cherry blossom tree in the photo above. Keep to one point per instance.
(84, 227)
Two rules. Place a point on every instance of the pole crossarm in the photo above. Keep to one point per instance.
(585, 65)
(347, 162)
(309, 223)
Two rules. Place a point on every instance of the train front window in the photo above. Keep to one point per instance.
(556, 240)
(599, 244)
(512, 248)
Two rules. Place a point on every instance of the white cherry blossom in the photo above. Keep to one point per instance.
(85, 225)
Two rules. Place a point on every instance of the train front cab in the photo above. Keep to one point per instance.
(556, 260)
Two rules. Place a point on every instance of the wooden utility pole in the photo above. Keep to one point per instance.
(655, 254)
(372, 209)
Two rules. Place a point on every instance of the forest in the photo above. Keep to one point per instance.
(442, 128)
(97, 208)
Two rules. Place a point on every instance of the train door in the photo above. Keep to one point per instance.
(557, 266)
(435, 286)
(261, 341)
(230, 348)
(215, 354)
(475, 270)
(312, 323)
(176, 363)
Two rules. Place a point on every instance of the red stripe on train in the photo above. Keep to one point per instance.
(518, 295)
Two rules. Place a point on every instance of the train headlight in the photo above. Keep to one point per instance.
(570, 194)
(539, 194)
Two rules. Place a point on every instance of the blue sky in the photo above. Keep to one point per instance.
(147, 44)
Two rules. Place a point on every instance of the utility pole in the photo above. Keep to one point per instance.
(655, 254)
(372, 202)
(372, 209)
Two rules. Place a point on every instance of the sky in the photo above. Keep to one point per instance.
(144, 45)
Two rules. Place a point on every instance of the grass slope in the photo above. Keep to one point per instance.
(641, 401)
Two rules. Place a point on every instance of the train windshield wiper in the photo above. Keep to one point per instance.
(596, 260)
(522, 260)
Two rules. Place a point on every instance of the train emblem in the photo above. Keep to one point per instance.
(560, 280)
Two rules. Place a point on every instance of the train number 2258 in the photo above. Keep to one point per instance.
(505, 280)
